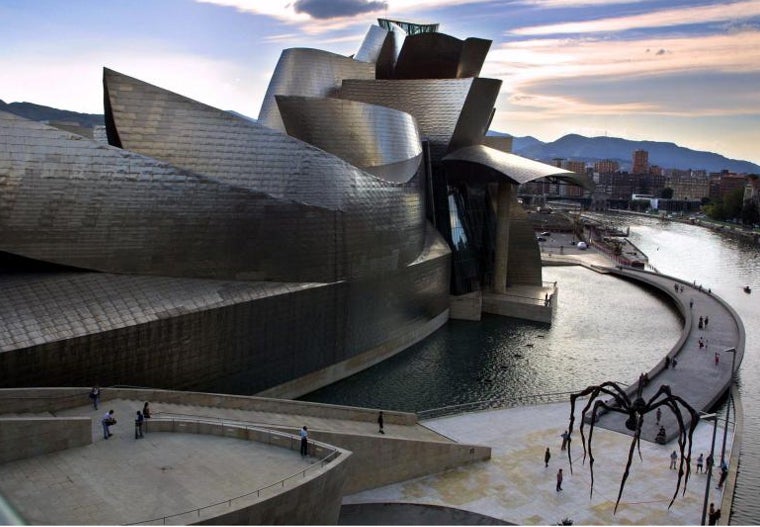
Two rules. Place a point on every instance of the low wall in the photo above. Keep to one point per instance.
(395, 513)
(381, 460)
(314, 502)
(25, 437)
(20, 400)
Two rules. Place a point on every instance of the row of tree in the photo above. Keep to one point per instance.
(733, 207)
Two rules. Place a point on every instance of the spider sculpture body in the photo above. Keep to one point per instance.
(635, 409)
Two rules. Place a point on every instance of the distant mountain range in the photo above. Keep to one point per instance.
(35, 112)
(572, 146)
(590, 149)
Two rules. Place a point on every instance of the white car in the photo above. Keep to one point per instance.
(582, 246)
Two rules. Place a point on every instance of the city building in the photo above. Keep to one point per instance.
(640, 162)
(200, 249)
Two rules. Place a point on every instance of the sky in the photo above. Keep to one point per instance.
(682, 71)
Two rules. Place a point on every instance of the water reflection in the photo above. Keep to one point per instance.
(599, 319)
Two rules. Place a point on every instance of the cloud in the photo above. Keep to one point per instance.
(324, 9)
(728, 12)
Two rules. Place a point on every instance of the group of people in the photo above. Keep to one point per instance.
(109, 419)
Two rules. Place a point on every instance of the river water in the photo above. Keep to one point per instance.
(603, 329)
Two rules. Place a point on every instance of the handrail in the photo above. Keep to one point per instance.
(332, 454)
(490, 404)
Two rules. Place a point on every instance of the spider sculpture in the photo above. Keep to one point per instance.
(635, 409)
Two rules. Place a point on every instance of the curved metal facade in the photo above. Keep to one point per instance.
(204, 250)
(377, 139)
(311, 73)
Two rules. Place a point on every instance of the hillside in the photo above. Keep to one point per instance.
(666, 155)
(36, 112)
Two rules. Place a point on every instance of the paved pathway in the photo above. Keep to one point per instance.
(516, 487)
(698, 378)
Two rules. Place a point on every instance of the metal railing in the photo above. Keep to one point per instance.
(293, 442)
(495, 404)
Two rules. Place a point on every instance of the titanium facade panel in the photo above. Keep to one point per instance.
(436, 104)
(376, 139)
(78, 329)
(440, 56)
(371, 225)
(311, 73)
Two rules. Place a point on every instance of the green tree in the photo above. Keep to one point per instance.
(750, 213)
(734, 203)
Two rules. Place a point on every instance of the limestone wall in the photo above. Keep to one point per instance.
(380, 460)
(25, 437)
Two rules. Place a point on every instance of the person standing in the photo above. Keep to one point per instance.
(146, 410)
(707, 320)
(717, 358)
(659, 415)
(304, 441)
(107, 421)
(139, 425)
(565, 439)
(559, 480)
(673, 459)
(547, 457)
(709, 462)
(380, 423)
(95, 396)
(700, 462)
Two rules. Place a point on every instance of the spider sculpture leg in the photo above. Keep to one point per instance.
(597, 406)
(634, 442)
(621, 400)
(684, 441)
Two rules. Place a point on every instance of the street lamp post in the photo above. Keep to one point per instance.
(728, 404)
(714, 418)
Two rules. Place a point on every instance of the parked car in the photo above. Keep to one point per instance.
(582, 246)
(546, 233)
(540, 239)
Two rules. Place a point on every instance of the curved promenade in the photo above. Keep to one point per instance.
(703, 373)
(515, 486)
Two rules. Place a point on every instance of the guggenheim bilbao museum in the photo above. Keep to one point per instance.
(199, 249)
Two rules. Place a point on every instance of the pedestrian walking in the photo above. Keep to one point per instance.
(701, 343)
(304, 441)
(559, 480)
(700, 462)
(673, 459)
(691, 303)
(146, 410)
(701, 323)
(667, 362)
(139, 425)
(565, 439)
(711, 515)
(659, 415)
(709, 462)
(547, 457)
(107, 421)
(717, 358)
(682, 288)
(674, 363)
(723, 474)
(380, 423)
(95, 396)
(707, 320)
